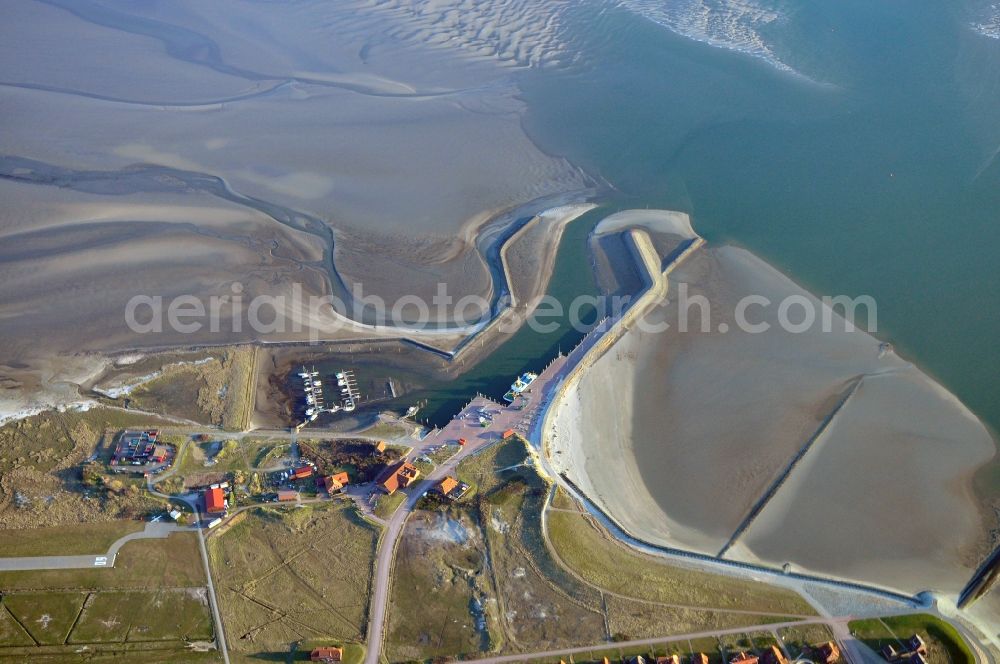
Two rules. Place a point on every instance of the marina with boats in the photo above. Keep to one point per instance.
(314, 401)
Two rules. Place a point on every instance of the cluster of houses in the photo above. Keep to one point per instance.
(914, 651)
(140, 448)
(331, 484)
(771, 655)
(827, 653)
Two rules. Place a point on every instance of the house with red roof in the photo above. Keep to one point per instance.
(215, 501)
(398, 476)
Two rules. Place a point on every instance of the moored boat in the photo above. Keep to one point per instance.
(519, 385)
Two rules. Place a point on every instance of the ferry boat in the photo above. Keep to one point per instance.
(519, 385)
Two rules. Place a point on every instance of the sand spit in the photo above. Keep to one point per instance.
(678, 436)
(657, 221)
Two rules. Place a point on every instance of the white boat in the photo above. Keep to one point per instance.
(519, 386)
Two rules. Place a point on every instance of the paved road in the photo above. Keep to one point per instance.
(22, 563)
(604, 645)
(220, 631)
(518, 416)
(390, 536)
(191, 500)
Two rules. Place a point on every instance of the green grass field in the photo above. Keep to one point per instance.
(148, 606)
(944, 644)
(385, 431)
(47, 617)
(630, 619)
(161, 615)
(386, 505)
(75, 539)
(154, 563)
(11, 631)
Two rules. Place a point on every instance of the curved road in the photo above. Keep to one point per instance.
(24, 563)
(387, 546)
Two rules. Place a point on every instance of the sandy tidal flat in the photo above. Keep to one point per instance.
(168, 149)
(679, 436)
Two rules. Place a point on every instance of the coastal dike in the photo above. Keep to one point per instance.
(656, 278)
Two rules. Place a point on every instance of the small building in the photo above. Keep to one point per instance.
(379, 447)
(744, 658)
(447, 485)
(215, 501)
(398, 476)
(699, 658)
(509, 433)
(302, 472)
(773, 655)
(828, 653)
(138, 448)
(287, 495)
(889, 653)
(673, 659)
(175, 514)
(326, 655)
(334, 483)
(638, 659)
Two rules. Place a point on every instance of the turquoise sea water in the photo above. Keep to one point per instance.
(874, 171)
(526, 350)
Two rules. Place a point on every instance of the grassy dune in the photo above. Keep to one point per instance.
(592, 553)
(217, 390)
(284, 574)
